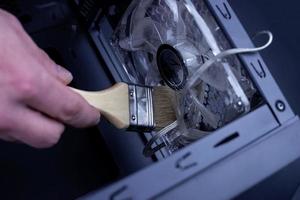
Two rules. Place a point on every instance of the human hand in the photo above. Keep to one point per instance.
(35, 102)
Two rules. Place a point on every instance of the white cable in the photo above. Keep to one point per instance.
(195, 77)
(191, 82)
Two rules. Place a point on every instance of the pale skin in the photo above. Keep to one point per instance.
(35, 102)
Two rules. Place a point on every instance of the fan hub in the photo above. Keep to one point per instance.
(171, 66)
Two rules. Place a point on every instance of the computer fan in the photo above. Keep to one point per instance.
(167, 42)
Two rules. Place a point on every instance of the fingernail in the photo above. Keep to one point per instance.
(67, 76)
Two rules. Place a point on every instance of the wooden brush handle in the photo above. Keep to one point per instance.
(113, 103)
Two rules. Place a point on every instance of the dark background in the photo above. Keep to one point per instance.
(82, 161)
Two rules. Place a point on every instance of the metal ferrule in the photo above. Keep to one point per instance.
(141, 108)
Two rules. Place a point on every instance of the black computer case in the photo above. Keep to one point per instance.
(246, 159)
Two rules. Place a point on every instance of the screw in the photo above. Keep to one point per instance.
(133, 117)
(239, 106)
(280, 105)
(240, 103)
(131, 93)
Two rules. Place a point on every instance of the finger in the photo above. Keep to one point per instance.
(35, 129)
(7, 137)
(58, 101)
(38, 54)
(55, 70)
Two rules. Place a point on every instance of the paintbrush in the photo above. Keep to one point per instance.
(134, 107)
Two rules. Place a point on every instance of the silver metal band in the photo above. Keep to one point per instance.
(141, 108)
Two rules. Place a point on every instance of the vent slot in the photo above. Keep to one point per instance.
(227, 139)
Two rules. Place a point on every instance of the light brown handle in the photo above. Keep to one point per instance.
(113, 103)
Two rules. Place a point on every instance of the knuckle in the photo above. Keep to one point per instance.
(26, 87)
(71, 111)
(13, 25)
(44, 58)
(11, 19)
(44, 54)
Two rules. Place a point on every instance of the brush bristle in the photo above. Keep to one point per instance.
(163, 103)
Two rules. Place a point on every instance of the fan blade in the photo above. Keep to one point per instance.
(146, 35)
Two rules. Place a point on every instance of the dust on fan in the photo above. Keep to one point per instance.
(165, 42)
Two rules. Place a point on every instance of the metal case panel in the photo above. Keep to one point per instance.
(193, 159)
(253, 62)
(245, 168)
